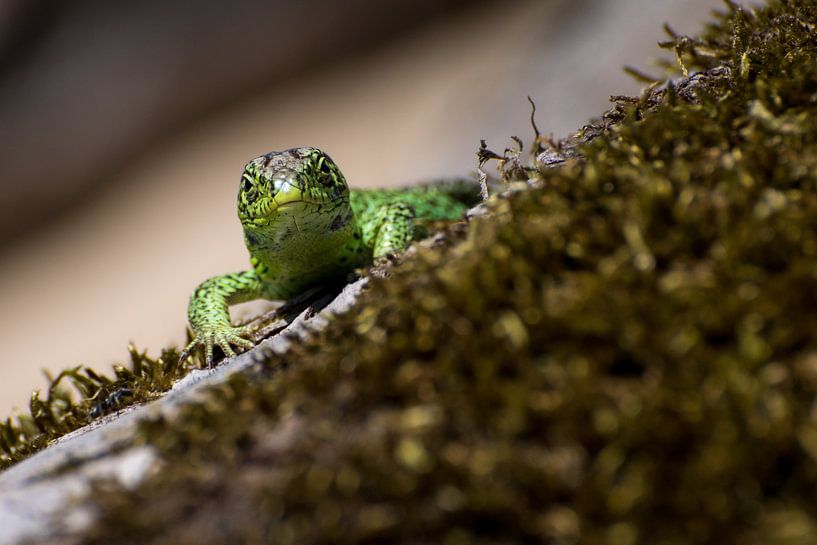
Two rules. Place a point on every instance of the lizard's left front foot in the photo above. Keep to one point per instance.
(221, 336)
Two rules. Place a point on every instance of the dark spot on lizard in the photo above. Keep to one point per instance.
(338, 222)
(252, 239)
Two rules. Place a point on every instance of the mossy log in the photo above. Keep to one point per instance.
(621, 349)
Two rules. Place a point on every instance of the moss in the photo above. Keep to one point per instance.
(78, 395)
(625, 353)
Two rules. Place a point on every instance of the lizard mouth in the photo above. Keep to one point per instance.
(267, 212)
(276, 206)
(293, 195)
(289, 204)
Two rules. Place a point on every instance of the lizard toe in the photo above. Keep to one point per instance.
(240, 341)
(243, 330)
(188, 350)
(208, 350)
(224, 344)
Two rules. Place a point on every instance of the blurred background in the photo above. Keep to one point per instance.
(125, 126)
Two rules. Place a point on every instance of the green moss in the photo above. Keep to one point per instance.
(625, 353)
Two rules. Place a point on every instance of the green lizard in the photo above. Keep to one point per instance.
(303, 227)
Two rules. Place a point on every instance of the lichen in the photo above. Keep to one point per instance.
(623, 352)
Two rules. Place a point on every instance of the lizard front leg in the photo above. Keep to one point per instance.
(209, 316)
(393, 230)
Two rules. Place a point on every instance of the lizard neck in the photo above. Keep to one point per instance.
(300, 257)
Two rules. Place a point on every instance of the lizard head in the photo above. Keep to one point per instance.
(296, 179)
(289, 193)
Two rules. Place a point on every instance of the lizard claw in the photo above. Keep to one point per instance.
(223, 337)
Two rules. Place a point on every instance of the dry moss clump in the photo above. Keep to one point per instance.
(78, 395)
(625, 353)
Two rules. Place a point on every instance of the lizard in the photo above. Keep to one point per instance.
(304, 227)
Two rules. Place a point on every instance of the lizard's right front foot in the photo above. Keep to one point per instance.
(218, 335)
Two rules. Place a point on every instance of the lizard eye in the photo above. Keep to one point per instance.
(246, 185)
(324, 167)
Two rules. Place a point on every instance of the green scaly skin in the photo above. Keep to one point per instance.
(303, 228)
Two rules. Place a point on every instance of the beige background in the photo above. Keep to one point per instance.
(121, 266)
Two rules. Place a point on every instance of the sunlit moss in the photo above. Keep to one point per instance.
(79, 394)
